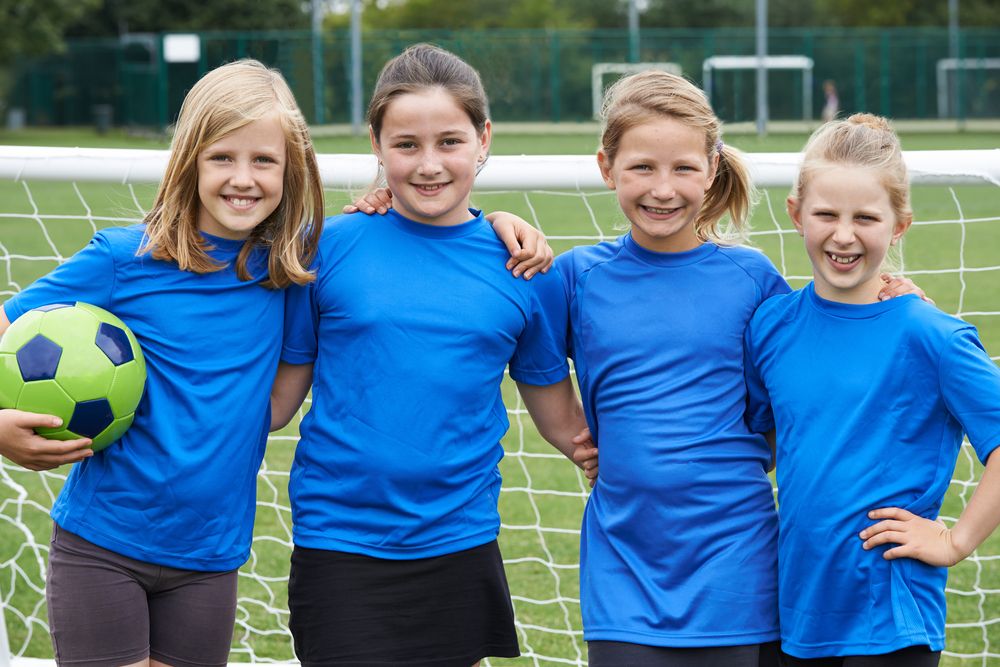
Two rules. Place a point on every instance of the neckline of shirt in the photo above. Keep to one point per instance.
(854, 311)
(437, 231)
(682, 258)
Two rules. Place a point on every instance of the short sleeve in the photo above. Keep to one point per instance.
(88, 276)
(301, 333)
(541, 354)
(970, 386)
(771, 281)
(759, 417)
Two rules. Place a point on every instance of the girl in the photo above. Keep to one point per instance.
(147, 539)
(677, 551)
(867, 441)
(409, 327)
(147, 536)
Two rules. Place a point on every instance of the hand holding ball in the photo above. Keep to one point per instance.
(78, 362)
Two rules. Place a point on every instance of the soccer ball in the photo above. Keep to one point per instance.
(78, 362)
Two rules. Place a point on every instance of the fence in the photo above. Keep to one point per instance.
(531, 75)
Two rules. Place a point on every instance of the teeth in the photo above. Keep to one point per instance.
(842, 259)
(235, 201)
(660, 211)
(431, 187)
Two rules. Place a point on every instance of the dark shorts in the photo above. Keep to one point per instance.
(912, 656)
(356, 611)
(617, 654)
(108, 610)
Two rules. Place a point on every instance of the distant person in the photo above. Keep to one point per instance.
(832, 106)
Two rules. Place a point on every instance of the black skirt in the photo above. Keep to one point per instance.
(357, 611)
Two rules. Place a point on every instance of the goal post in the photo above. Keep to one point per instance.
(599, 70)
(345, 171)
(945, 93)
(52, 199)
(801, 63)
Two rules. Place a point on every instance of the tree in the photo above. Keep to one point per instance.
(110, 18)
(33, 27)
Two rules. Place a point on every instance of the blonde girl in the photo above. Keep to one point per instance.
(870, 400)
(148, 533)
(677, 552)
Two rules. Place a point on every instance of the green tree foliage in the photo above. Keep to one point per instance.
(400, 14)
(476, 14)
(113, 17)
(32, 27)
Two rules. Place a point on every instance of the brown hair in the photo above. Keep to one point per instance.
(653, 94)
(224, 100)
(862, 140)
(424, 66)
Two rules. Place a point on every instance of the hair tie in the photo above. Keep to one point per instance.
(718, 146)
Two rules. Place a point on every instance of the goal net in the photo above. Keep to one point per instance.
(52, 201)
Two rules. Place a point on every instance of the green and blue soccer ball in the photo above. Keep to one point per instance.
(78, 362)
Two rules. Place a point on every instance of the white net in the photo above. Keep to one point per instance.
(52, 200)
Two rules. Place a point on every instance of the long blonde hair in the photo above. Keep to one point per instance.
(654, 94)
(224, 100)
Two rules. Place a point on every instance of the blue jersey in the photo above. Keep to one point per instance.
(870, 403)
(179, 488)
(409, 327)
(679, 535)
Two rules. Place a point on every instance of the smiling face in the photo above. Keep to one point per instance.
(241, 179)
(430, 151)
(661, 174)
(848, 224)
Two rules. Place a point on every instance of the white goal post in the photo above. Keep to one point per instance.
(53, 199)
(802, 63)
(502, 172)
(946, 65)
(599, 70)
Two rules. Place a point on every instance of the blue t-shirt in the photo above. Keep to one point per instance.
(179, 488)
(869, 403)
(679, 535)
(409, 327)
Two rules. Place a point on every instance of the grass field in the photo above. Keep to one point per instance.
(543, 495)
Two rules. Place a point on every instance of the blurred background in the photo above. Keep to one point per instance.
(128, 63)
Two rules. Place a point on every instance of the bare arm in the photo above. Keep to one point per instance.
(4, 322)
(772, 441)
(529, 251)
(932, 541)
(557, 413)
(291, 384)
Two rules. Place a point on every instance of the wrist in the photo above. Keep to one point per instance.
(961, 545)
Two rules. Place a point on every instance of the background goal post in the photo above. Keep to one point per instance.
(599, 70)
(804, 64)
(53, 199)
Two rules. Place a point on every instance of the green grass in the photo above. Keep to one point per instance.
(538, 534)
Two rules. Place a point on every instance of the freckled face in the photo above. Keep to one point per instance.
(661, 174)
